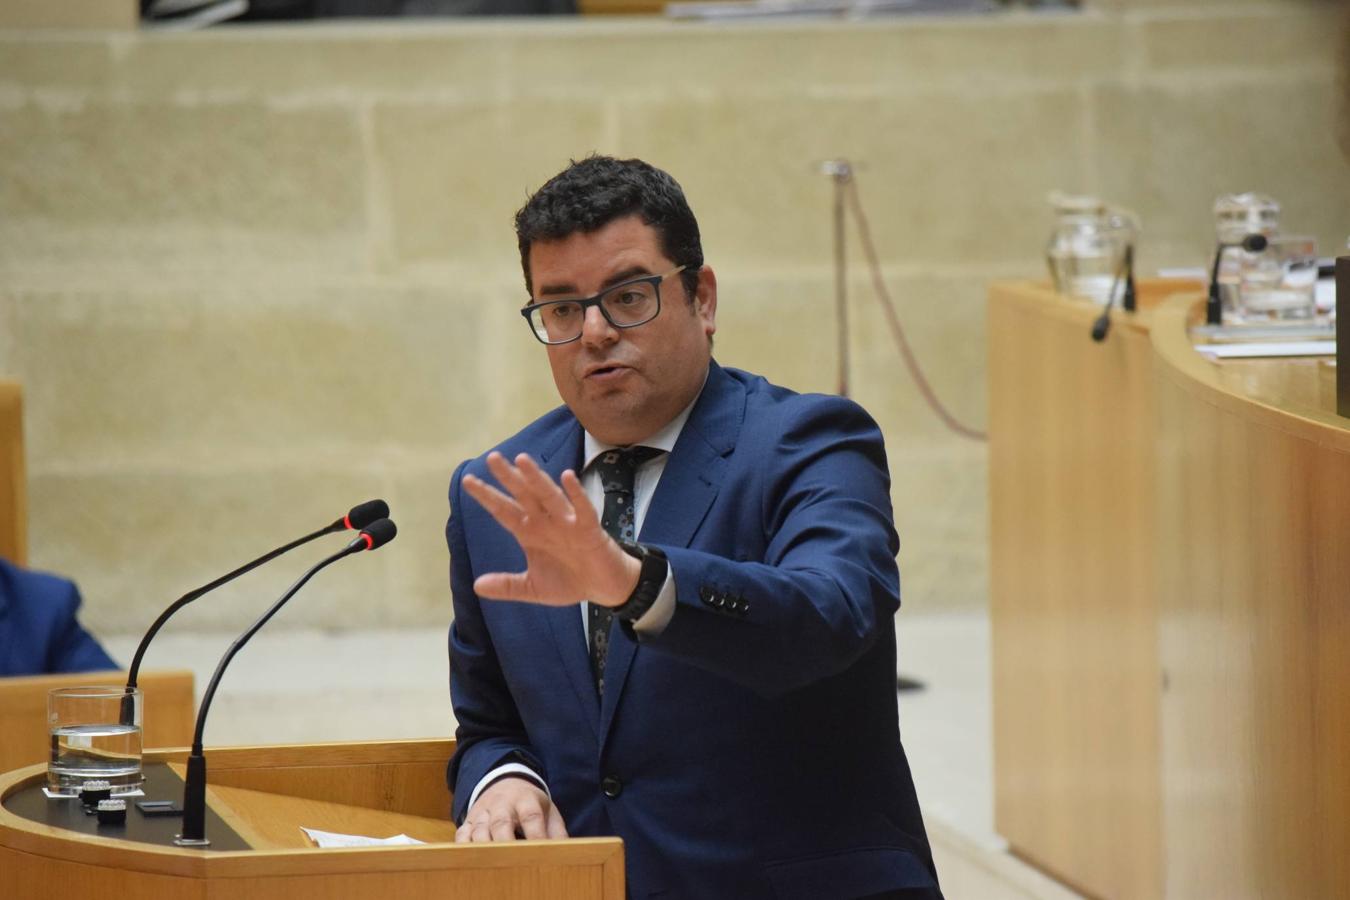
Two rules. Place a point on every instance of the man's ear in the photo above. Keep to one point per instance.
(705, 300)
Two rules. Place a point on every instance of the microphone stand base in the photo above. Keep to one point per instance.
(191, 842)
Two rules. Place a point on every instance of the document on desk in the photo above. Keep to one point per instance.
(1284, 348)
(328, 839)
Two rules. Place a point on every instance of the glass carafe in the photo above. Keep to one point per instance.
(1087, 249)
(1235, 217)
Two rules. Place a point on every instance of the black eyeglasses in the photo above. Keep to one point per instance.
(626, 305)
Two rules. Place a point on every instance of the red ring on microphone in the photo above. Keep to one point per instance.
(347, 520)
(370, 541)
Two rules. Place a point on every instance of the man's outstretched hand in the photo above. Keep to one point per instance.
(568, 556)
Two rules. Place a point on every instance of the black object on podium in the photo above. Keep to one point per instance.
(1342, 336)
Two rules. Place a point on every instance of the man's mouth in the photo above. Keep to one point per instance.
(606, 370)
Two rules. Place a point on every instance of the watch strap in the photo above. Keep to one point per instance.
(652, 577)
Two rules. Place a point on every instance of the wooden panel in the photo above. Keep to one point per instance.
(13, 486)
(398, 776)
(168, 711)
(36, 876)
(1076, 680)
(1254, 504)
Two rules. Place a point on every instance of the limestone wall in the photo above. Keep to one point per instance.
(251, 276)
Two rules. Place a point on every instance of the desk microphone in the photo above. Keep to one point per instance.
(373, 536)
(358, 517)
(1252, 243)
(1102, 326)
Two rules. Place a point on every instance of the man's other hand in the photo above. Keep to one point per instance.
(508, 809)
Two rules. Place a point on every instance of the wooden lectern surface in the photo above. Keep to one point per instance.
(374, 789)
(167, 711)
(1171, 629)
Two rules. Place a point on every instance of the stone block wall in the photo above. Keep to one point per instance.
(251, 276)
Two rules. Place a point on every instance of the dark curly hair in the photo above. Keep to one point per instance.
(590, 194)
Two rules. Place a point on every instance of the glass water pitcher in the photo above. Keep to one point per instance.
(1088, 247)
(1235, 217)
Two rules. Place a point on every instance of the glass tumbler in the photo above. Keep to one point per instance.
(95, 736)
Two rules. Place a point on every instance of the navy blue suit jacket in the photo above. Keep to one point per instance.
(39, 633)
(752, 749)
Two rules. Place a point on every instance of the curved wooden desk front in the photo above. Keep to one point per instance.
(1253, 580)
(1170, 606)
(266, 794)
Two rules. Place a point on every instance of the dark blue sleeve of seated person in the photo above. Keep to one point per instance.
(39, 633)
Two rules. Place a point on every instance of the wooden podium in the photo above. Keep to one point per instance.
(258, 799)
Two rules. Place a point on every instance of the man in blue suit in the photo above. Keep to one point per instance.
(674, 595)
(39, 633)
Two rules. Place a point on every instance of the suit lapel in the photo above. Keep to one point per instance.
(683, 497)
(569, 637)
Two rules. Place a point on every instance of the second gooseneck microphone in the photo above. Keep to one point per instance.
(372, 537)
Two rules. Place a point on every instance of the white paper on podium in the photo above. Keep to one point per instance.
(1275, 348)
(327, 839)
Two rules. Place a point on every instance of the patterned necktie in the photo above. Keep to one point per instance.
(617, 470)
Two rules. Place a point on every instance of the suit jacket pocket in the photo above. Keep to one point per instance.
(849, 873)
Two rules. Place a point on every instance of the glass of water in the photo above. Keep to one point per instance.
(95, 735)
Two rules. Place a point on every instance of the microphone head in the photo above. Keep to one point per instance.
(362, 515)
(377, 534)
(1255, 243)
(1101, 327)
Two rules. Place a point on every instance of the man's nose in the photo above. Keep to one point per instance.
(595, 328)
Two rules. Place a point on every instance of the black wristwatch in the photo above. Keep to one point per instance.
(651, 579)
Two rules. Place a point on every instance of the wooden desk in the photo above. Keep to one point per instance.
(266, 794)
(1170, 604)
(1073, 612)
(1253, 578)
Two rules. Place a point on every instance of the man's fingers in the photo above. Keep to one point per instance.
(509, 475)
(582, 509)
(473, 832)
(556, 826)
(532, 824)
(550, 499)
(503, 826)
(503, 586)
(505, 510)
(529, 487)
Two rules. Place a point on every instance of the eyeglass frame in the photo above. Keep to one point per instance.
(587, 302)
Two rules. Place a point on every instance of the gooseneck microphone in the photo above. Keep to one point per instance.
(1102, 326)
(1252, 243)
(357, 517)
(373, 536)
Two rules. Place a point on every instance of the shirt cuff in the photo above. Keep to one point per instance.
(654, 620)
(501, 772)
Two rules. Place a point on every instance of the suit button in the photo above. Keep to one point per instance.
(705, 594)
(612, 786)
